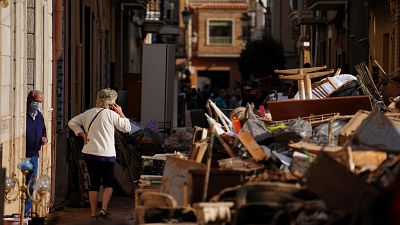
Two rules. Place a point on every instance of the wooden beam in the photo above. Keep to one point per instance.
(314, 148)
(307, 86)
(305, 70)
(301, 76)
(300, 85)
(254, 149)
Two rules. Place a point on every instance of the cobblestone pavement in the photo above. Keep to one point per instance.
(121, 209)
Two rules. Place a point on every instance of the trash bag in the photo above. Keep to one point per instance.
(250, 111)
(302, 127)
(320, 133)
(257, 129)
(179, 141)
(151, 129)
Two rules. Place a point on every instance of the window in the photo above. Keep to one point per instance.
(220, 32)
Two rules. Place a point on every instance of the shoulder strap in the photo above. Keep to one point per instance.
(94, 119)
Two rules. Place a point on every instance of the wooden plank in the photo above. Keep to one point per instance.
(290, 109)
(305, 70)
(348, 130)
(254, 149)
(198, 151)
(314, 148)
(301, 76)
(370, 159)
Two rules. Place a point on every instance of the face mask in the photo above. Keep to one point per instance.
(35, 106)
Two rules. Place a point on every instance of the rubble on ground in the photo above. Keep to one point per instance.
(285, 167)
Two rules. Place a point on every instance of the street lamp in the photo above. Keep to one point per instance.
(186, 14)
(42, 185)
(245, 19)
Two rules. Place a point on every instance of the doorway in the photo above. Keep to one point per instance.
(216, 79)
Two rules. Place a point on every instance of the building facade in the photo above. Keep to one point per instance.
(384, 39)
(332, 33)
(214, 41)
(26, 64)
(99, 45)
(283, 31)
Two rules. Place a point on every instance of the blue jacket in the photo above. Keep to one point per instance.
(35, 130)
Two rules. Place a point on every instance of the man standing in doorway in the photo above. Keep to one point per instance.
(35, 137)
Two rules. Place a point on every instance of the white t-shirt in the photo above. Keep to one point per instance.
(101, 133)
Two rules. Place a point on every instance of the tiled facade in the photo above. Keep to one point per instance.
(22, 39)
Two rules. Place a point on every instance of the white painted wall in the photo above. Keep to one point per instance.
(13, 82)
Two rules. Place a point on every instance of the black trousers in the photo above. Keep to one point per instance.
(100, 172)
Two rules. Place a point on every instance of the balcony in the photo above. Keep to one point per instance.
(325, 4)
(220, 40)
(154, 16)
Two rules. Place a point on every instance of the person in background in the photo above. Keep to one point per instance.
(97, 126)
(256, 95)
(220, 100)
(35, 137)
(203, 96)
(235, 99)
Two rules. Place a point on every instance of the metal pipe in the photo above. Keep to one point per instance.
(58, 15)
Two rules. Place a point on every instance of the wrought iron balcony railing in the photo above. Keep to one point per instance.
(154, 10)
(220, 40)
(154, 16)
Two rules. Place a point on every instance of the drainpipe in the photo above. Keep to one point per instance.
(58, 50)
(58, 14)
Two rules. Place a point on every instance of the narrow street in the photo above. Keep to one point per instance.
(121, 209)
(209, 112)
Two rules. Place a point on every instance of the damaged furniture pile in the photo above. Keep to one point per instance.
(331, 156)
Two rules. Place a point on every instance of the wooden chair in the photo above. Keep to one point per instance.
(303, 77)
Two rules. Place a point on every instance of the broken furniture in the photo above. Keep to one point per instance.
(151, 175)
(303, 77)
(172, 198)
(176, 178)
(367, 82)
(290, 109)
(261, 202)
(336, 86)
(219, 180)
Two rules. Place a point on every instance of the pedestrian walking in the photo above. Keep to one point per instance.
(96, 126)
(35, 138)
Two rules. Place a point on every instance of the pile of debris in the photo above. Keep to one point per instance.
(316, 160)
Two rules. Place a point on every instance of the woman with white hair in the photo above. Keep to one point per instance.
(96, 126)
